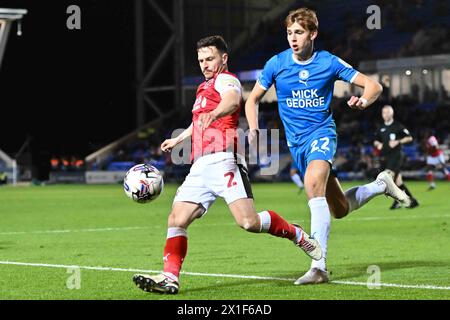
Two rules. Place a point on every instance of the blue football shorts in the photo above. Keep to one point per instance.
(319, 145)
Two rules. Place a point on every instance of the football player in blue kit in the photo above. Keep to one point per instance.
(304, 82)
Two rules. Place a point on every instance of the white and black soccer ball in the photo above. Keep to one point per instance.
(143, 183)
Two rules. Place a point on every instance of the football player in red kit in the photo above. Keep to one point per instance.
(435, 160)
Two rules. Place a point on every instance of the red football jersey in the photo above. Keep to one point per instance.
(433, 147)
(221, 134)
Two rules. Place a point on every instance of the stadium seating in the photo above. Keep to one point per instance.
(401, 24)
(400, 21)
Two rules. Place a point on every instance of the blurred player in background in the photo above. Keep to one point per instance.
(216, 171)
(435, 160)
(304, 82)
(388, 140)
(295, 177)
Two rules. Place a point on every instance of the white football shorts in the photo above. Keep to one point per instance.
(215, 175)
(434, 161)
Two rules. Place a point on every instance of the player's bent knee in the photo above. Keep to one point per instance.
(315, 189)
(183, 218)
(175, 220)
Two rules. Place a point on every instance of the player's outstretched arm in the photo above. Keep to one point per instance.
(168, 144)
(372, 90)
(229, 103)
(251, 110)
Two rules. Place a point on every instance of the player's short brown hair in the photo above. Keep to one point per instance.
(305, 17)
(213, 41)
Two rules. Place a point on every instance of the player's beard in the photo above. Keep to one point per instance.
(221, 68)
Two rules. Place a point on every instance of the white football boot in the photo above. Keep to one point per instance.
(309, 245)
(313, 276)
(392, 190)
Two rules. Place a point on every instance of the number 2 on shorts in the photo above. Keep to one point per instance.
(230, 179)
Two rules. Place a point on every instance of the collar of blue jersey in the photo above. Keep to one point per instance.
(295, 60)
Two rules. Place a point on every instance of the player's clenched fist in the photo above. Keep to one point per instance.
(357, 103)
(168, 144)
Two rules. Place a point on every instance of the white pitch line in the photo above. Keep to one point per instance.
(405, 217)
(402, 217)
(100, 229)
(75, 230)
(393, 285)
(218, 275)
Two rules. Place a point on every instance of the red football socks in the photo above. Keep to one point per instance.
(280, 227)
(174, 254)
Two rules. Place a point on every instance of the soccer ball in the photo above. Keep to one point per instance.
(143, 183)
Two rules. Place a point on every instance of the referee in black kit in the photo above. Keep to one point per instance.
(388, 139)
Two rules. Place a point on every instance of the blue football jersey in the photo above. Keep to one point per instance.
(304, 90)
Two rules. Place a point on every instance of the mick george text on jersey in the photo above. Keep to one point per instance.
(307, 98)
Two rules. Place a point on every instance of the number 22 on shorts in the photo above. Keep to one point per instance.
(323, 145)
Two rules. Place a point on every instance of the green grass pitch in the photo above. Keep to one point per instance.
(97, 226)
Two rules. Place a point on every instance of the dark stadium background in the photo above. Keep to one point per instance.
(71, 91)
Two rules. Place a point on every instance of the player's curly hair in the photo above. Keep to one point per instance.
(213, 41)
(305, 17)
